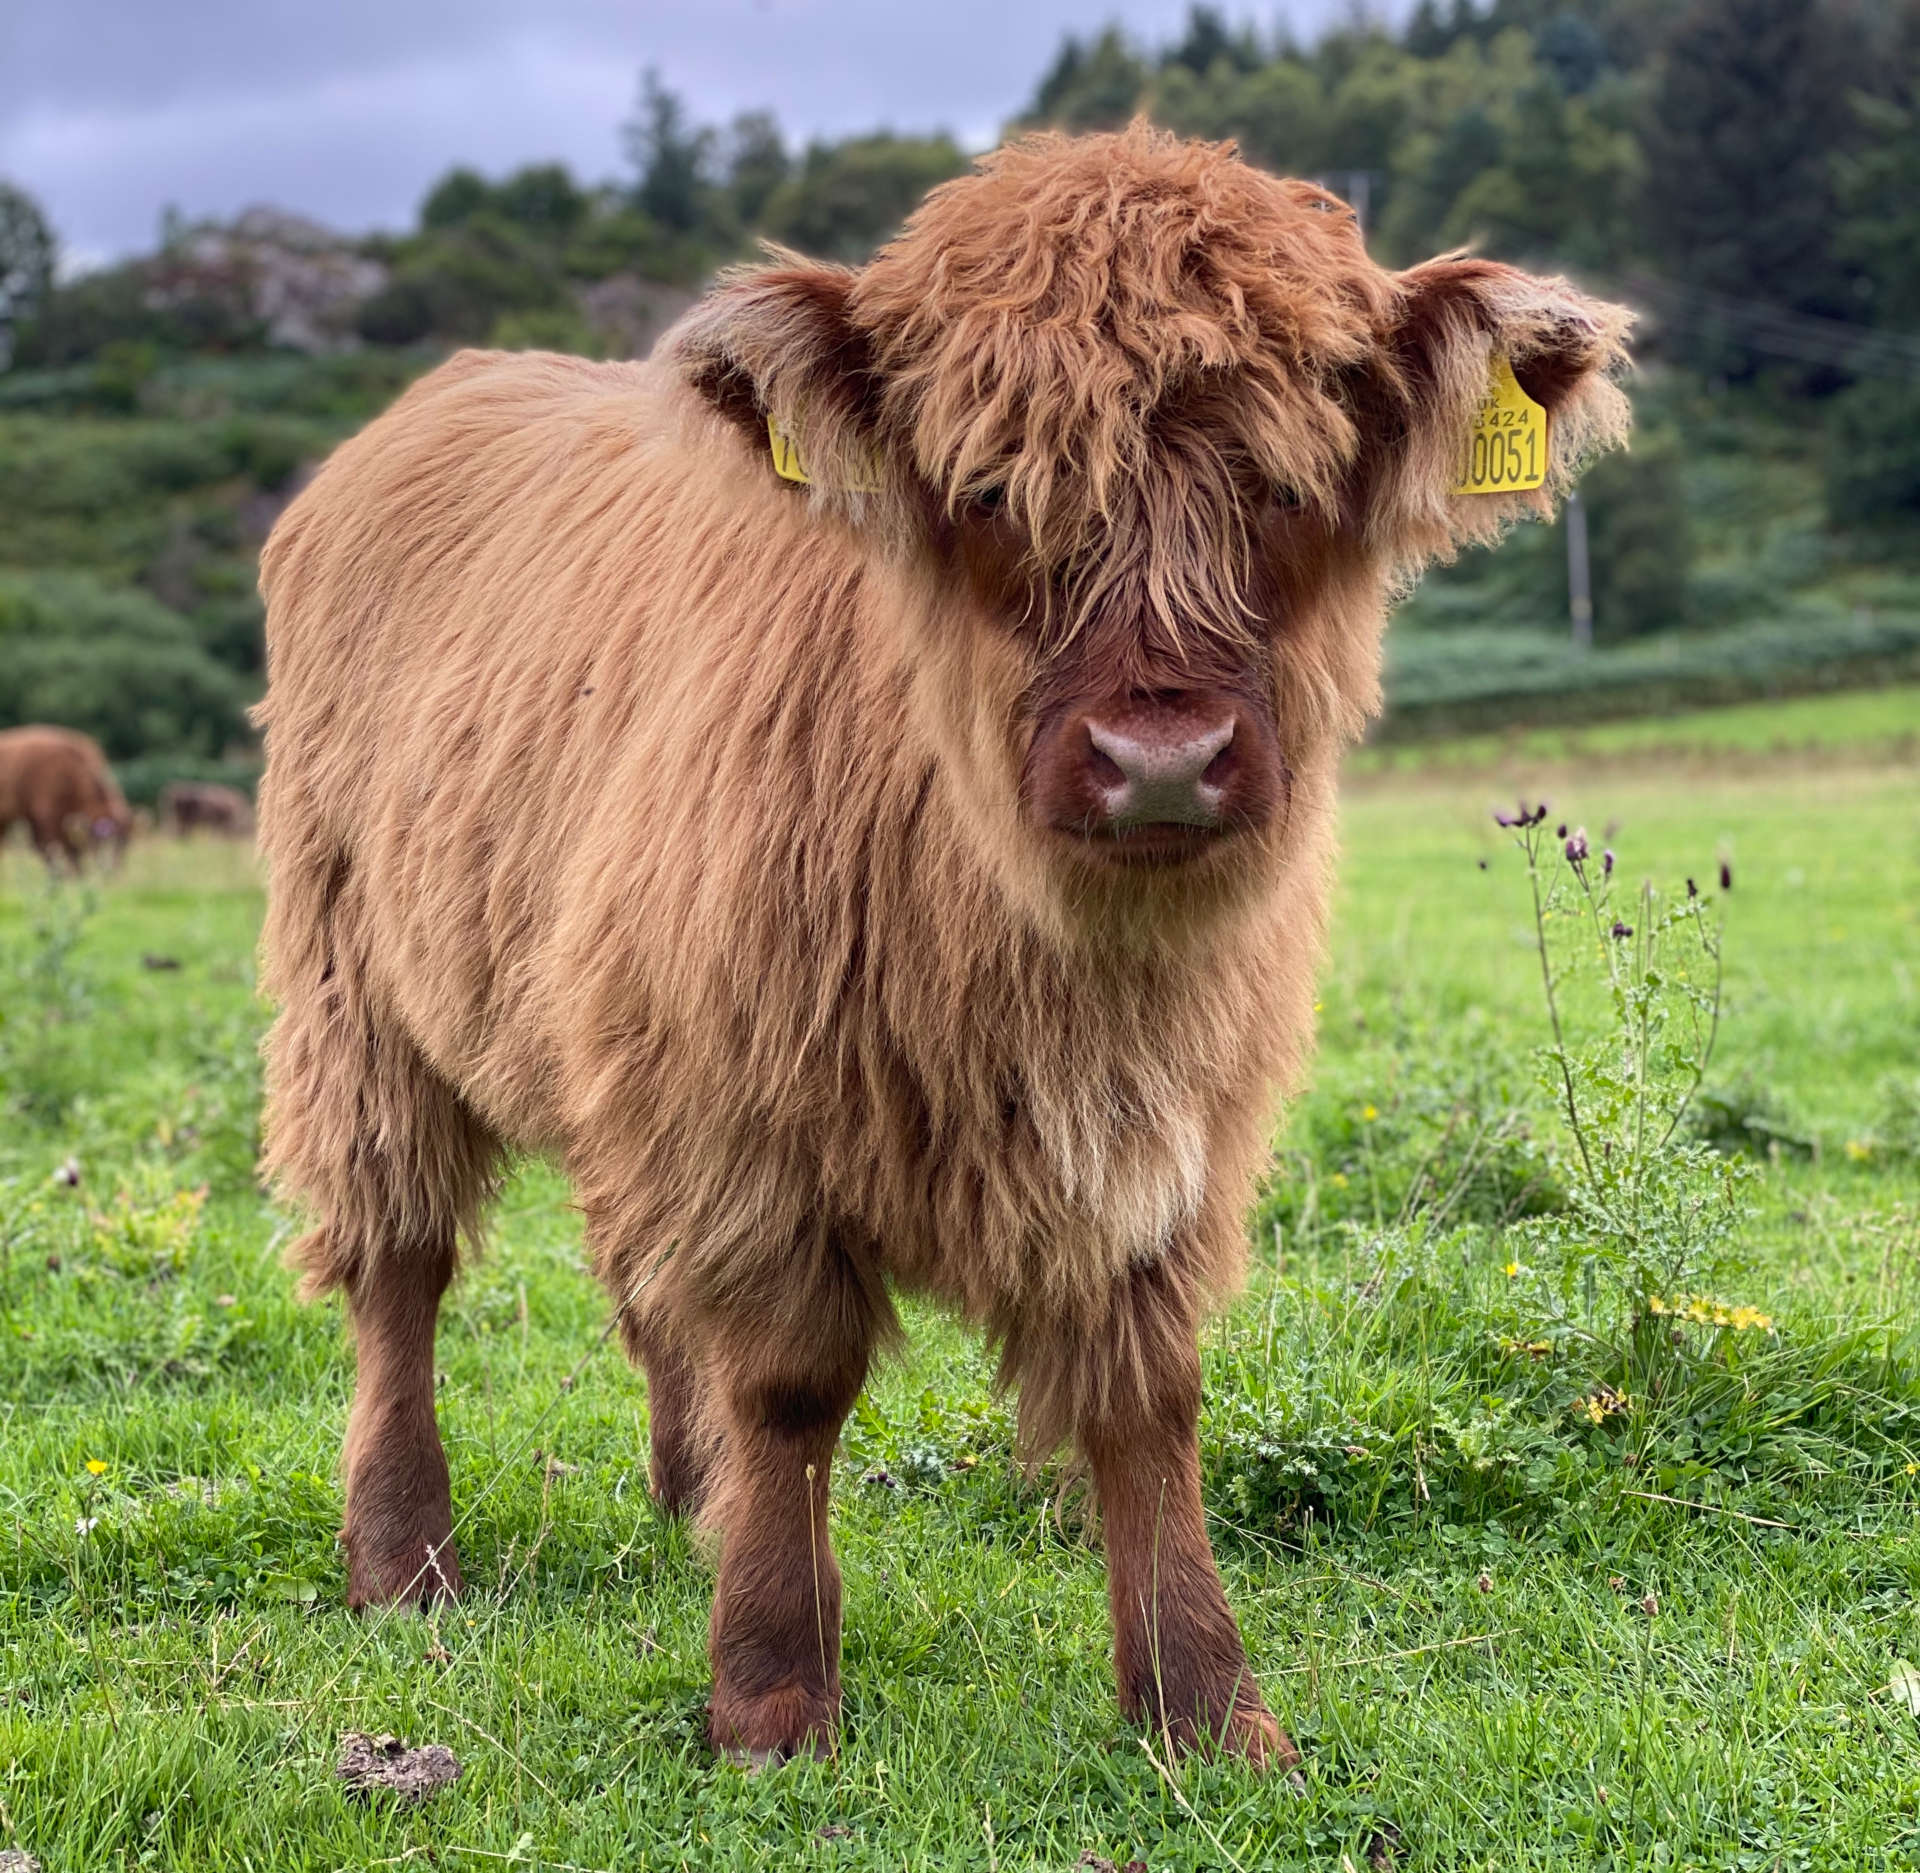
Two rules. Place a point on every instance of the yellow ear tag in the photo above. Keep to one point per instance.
(1506, 453)
(786, 453)
(787, 463)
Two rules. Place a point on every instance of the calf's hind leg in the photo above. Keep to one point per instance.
(399, 1522)
(396, 1166)
(680, 1432)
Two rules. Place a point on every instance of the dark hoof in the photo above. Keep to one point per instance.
(414, 1576)
(775, 1727)
(1250, 1733)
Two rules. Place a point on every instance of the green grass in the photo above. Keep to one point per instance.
(1439, 1567)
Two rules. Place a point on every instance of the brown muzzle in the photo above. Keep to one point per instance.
(1158, 777)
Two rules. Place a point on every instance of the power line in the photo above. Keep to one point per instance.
(1838, 344)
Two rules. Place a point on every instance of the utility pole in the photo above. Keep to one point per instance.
(1360, 195)
(1579, 575)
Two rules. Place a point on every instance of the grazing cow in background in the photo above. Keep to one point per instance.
(58, 781)
(911, 878)
(188, 806)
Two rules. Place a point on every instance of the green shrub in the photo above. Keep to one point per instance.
(268, 453)
(83, 319)
(117, 664)
(1640, 541)
(232, 630)
(1873, 455)
(456, 282)
(846, 198)
(142, 778)
(561, 329)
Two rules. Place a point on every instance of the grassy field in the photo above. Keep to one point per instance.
(1514, 1619)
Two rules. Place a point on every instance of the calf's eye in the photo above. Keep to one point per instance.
(1287, 500)
(989, 500)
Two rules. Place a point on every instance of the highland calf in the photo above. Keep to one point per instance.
(906, 879)
(190, 806)
(59, 783)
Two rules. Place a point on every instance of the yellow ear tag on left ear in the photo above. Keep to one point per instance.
(789, 466)
(786, 453)
(1506, 450)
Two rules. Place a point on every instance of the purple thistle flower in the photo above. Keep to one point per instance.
(1560, 832)
(1693, 890)
(1726, 876)
(1576, 847)
(1622, 930)
(1606, 863)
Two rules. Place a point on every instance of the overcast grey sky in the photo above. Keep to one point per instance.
(111, 109)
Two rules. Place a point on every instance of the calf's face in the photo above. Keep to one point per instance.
(1153, 440)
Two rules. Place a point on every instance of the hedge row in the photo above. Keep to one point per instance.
(1463, 681)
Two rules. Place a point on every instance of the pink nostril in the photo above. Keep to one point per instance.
(1163, 779)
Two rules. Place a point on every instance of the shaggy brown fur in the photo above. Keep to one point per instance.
(188, 806)
(58, 782)
(749, 849)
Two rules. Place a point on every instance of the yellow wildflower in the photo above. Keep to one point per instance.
(1530, 1349)
(1703, 1310)
(1513, 1268)
(1859, 1150)
(1370, 1114)
(95, 1467)
(1913, 1469)
(1604, 1400)
(1339, 1180)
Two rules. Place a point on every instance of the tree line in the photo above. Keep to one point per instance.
(1743, 153)
(1748, 170)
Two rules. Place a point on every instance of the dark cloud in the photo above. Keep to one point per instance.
(112, 109)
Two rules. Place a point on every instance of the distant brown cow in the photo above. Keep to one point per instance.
(911, 881)
(188, 806)
(58, 781)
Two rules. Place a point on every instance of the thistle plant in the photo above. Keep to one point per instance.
(1632, 987)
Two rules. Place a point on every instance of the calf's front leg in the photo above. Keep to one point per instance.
(783, 1392)
(1177, 1655)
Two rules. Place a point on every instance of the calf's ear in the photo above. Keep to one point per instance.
(1452, 320)
(777, 342)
